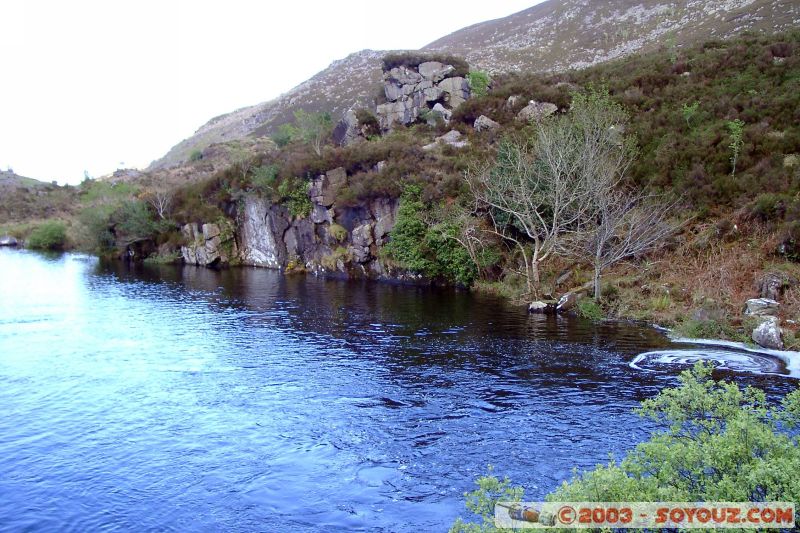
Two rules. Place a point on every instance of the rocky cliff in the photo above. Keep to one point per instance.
(330, 240)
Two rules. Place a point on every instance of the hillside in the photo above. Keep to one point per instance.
(558, 36)
(553, 36)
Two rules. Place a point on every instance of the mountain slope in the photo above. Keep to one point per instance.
(553, 36)
(353, 80)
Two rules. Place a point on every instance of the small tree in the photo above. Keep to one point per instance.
(161, 200)
(689, 111)
(736, 129)
(314, 128)
(627, 223)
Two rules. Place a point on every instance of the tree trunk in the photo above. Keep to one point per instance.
(597, 288)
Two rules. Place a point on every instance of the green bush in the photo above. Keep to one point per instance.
(51, 235)
(294, 195)
(589, 309)
(196, 155)
(718, 443)
(478, 83)
(429, 250)
(338, 232)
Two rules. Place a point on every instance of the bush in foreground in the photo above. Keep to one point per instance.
(721, 443)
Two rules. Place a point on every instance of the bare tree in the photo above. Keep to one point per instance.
(627, 224)
(161, 200)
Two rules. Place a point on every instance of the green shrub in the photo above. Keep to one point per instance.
(589, 309)
(294, 195)
(50, 235)
(286, 133)
(718, 443)
(429, 250)
(478, 83)
(196, 155)
(337, 232)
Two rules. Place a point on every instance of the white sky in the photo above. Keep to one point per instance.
(101, 84)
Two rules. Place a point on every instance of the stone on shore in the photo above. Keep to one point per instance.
(768, 334)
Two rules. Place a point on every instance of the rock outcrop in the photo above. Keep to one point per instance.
(483, 123)
(536, 111)
(330, 239)
(761, 307)
(211, 244)
(412, 92)
(451, 138)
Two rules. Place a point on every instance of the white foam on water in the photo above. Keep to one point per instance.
(728, 355)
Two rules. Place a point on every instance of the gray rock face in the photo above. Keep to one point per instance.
(271, 237)
(536, 111)
(445, 113)
(402, 112)
(458, 90)
(208, 245)
(8, 240)
(348, 130)
(434, 71)
(258, 228)
(403, 76)
(483, 123)
(411, 92)
(761, 307)
(768, 334)
(324, 188)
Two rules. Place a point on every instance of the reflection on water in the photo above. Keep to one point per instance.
(188, 399)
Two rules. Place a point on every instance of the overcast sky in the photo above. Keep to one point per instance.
(97, 85)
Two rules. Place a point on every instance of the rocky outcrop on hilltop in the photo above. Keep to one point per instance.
(415, 91)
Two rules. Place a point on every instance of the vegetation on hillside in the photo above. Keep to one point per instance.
(718, 442)
(715, 126)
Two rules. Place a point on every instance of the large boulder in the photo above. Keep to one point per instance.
(402, 111)
(347, 130)
(434, 71)
(8, 240)
(772, 285)
(768, 334)
(536, 111)
(457, 90)
(483, 123)
(761, 307)
(403, 76)
(451, 138)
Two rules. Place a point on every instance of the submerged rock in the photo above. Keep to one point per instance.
(768, 334)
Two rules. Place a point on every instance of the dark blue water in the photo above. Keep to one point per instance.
(185, 399)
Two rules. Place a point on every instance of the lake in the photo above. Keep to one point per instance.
(185, 399)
